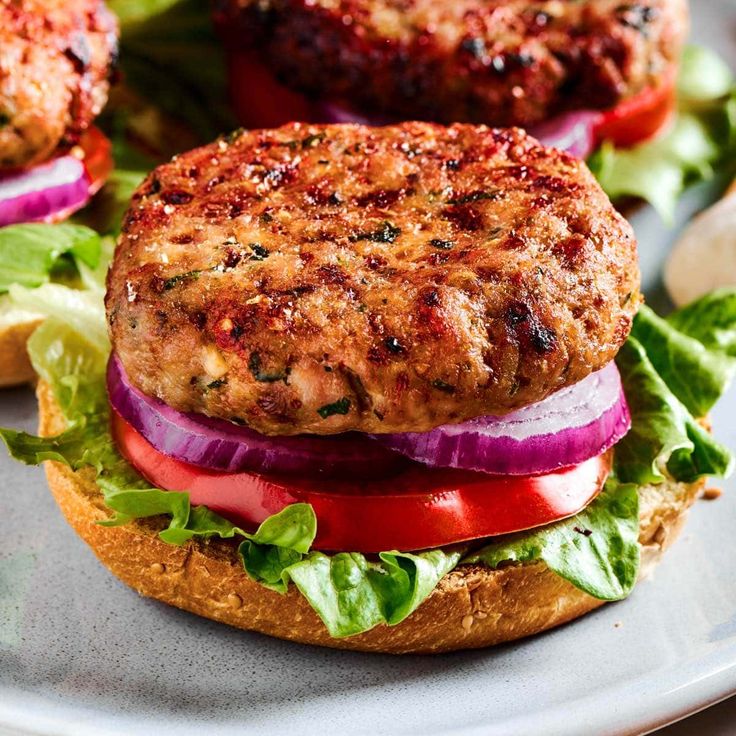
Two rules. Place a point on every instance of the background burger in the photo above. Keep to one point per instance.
(500, 63)
(55, 67)
(362, 390)
(54, 80)
(591, 76)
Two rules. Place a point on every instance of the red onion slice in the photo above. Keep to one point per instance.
(571, 426)
(221, 445)
(44, 193)
(574, 132)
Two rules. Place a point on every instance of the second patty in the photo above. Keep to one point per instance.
(498, 62)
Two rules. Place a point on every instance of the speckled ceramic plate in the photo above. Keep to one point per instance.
(82, 654)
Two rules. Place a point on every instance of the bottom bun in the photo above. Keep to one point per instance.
(15, 365)
(471, 607)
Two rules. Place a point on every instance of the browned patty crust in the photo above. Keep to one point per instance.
(55, 58)
(330, 278)
(499, 62)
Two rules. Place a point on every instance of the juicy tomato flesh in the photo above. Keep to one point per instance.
(261, 101)
(418, 508)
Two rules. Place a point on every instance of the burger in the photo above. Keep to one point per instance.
(55, 67)
(607, 81)
(507, 62)
(388, 389)
(54, 81)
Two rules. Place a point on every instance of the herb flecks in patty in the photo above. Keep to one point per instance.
(341, 406)
(443, 386)
(386, 233)
(255, 366)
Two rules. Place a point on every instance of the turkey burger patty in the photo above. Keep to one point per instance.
(323, 279)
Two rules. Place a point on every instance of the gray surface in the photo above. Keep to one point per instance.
(81, 654)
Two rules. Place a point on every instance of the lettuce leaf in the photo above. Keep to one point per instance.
(695, 374)
(352, 594)
(703, 77)
(138, 11)
(671, 379)
(94, 279)
(711, 320)
(701, 135)
(47, 268)
(597, 550)
(83, 310)
(29, 254)
(665, 441)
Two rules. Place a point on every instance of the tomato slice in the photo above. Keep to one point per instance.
(258, 99)
(97, 157)
(640, 117)
(416, 509)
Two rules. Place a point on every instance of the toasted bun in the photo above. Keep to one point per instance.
(472, 606)
(15, 366)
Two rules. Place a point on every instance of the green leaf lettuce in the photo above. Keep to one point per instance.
(671, 379)
(596, 550)
(45, 269)
(30, 254)
(171, 56)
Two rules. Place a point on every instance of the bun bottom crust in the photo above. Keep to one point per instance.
(472, 606)
(15, 365)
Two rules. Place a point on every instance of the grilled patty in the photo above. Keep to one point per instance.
(331, 278)
(55, 58)
(499, 62)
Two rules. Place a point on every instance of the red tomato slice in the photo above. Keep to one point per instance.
(640, 117)
(97, 160)
(416, 509)
(258, 99)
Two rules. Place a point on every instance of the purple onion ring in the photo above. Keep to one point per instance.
(570, 426)
(44, 192)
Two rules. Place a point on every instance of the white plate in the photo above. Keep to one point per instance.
(82, 654)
